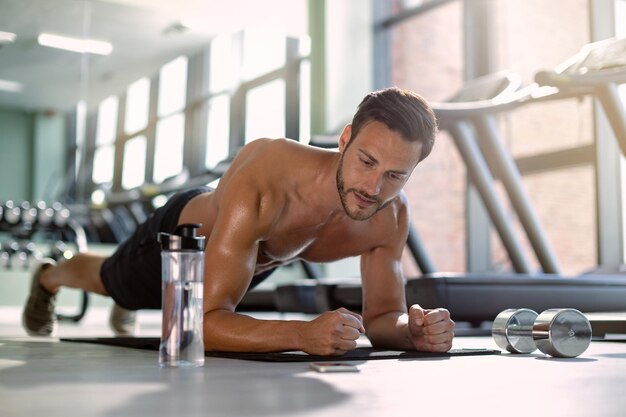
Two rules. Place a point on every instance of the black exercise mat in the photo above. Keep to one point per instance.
(145, 343)
(359, 354)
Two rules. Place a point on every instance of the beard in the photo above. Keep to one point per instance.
(358, 213)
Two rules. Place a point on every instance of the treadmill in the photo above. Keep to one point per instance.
(470, 118)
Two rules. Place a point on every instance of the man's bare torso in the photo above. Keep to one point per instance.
(306, 220)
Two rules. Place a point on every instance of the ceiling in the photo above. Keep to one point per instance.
(143, 33)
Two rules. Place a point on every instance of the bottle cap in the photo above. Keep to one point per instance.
(183, 238)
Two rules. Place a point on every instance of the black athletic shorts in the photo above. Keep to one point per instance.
(132, 275)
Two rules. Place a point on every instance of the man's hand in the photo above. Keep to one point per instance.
(430, 330)
(332, 333)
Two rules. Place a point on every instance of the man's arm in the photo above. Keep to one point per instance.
(387, 322)
(245, 217)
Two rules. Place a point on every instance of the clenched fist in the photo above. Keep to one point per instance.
(332, 333)
(430, 330)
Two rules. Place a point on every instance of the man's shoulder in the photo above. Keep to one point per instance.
(282, 155)
(394, 217)
(262, 169)
(398, 205)
(275, 144)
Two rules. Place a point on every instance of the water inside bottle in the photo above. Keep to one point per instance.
(181, 337)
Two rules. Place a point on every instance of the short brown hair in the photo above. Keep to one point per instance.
(402, 111)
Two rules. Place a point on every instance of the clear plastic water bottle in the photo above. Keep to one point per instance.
(182, 261)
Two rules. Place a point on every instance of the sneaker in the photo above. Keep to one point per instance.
(123, 322)
(38, 317)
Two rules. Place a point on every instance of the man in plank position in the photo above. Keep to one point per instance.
(282, 201)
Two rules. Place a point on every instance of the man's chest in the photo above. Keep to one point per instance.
(317, 244)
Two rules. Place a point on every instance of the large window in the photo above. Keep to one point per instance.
(172, 86)
(265, 111)
(168, 155)
(251, 83)
(223, 75)
(270, 81)
(218, 131)
(137, 105)
(263, 51)
(104, 154)
(134, 168)
(170, 132)
(135, 122)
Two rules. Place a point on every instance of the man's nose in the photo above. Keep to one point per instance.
(372, 183)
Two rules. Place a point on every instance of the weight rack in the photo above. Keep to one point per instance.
(54, 223)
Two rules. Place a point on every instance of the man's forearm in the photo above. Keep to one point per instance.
(390, 330)
(233, 332)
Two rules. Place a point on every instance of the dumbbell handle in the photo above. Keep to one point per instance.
(537, 332)
(522, 331)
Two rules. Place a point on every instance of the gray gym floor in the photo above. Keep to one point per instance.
(41, 376)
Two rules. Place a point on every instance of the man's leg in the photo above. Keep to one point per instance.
(81, 272)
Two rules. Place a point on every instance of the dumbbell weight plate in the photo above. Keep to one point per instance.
(61, 215)
(12, 213)
(564, 332)
(512, 330)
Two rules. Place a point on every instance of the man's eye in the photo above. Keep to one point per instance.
(367, 163)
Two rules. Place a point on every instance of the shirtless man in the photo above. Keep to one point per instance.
(282, 201)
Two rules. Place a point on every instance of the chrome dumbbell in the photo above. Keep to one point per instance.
(29, 214)
(12, 213)
(61, 215)
(560, 332)
(5, 256)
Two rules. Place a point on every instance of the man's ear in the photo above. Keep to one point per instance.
(345, 137)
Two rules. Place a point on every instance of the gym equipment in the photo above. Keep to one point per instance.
(80, 240)
(598, 69)
(24, 221)
(45, 214)
(23, 253)
(29, 214)
(109, 227)
(608, 326)
(60, 251)
(476, 298)
(5, 258)
(139, 212)
(124, 219)
(564, 332)
(16, 254)
(470, 118)
(61, 215)
(480, 297)
(12, 213)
